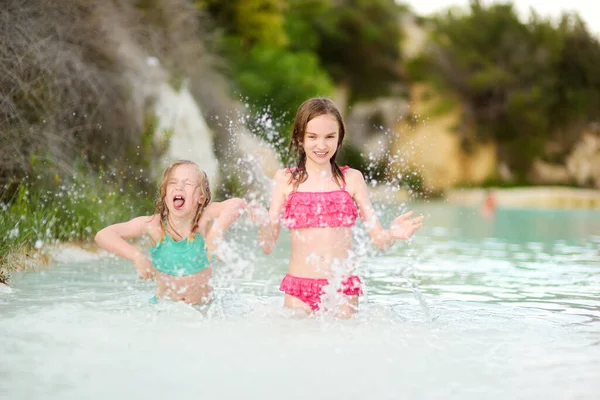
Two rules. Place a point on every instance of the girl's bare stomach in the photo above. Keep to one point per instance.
(320, 252)
(192, 289)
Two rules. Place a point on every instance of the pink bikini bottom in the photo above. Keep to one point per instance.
(310, 290)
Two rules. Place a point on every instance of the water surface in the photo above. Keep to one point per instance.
(470, 308)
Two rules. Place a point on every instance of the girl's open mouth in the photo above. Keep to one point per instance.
(178, 202)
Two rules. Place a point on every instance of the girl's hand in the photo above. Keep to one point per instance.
(258, 214)
(403, 227)
(144, 267)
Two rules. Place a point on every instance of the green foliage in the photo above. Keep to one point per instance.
(176, 80)
(277, 81)
(378, 170)
(414, 183)
(146, 137)
(40, 214)
(231, 187)
(301, 22)
(251, 21)
(351, 155)
(443, 106)
(372, 169)
(261, 21)
(271, 75)
(358, 41)
(520, 82)
(578, 80)
(152, 142)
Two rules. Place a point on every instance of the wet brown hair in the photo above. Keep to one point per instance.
(161, 206)
(307, 111)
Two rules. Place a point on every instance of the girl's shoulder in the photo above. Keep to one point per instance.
(211, 211)
(285, 172)
(148, 221)
(353, 178)
(215, 208)
(283, 181)
(284, 175)
(153, 226)
(154, 221)
(351, 173)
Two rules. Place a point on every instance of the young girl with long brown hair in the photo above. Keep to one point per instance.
(319, 202)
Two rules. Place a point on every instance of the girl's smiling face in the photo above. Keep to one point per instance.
(321, 139)
(183, 190)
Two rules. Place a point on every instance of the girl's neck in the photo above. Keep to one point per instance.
(182, 226)
(316, 170)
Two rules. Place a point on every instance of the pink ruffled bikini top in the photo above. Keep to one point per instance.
(320, 209)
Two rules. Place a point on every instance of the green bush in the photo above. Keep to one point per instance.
(522, 84)
(357, 41)
(41, 214)
(276, 81)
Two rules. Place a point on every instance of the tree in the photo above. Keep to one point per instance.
(252, 21)
(520, 82)
(358, 41)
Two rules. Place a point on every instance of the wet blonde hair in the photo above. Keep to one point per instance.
(312, 108)
(161, 206)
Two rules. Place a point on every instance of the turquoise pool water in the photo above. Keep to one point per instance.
(471, 308)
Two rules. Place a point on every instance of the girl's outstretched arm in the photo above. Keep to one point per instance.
(402, 227)
(222, 214)
(269, 231)
(113, 238)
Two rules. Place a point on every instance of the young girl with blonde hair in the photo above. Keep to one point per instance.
(319, 202)
(185, 230)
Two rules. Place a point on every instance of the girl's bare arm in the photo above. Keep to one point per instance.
(113, 238)
(269, 232)
(219, 216)
(401, 228)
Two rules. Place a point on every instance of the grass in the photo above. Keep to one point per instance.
(35, 218)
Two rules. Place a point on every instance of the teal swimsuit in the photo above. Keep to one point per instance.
(185, 257)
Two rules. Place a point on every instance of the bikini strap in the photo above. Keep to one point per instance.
(344, 169)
